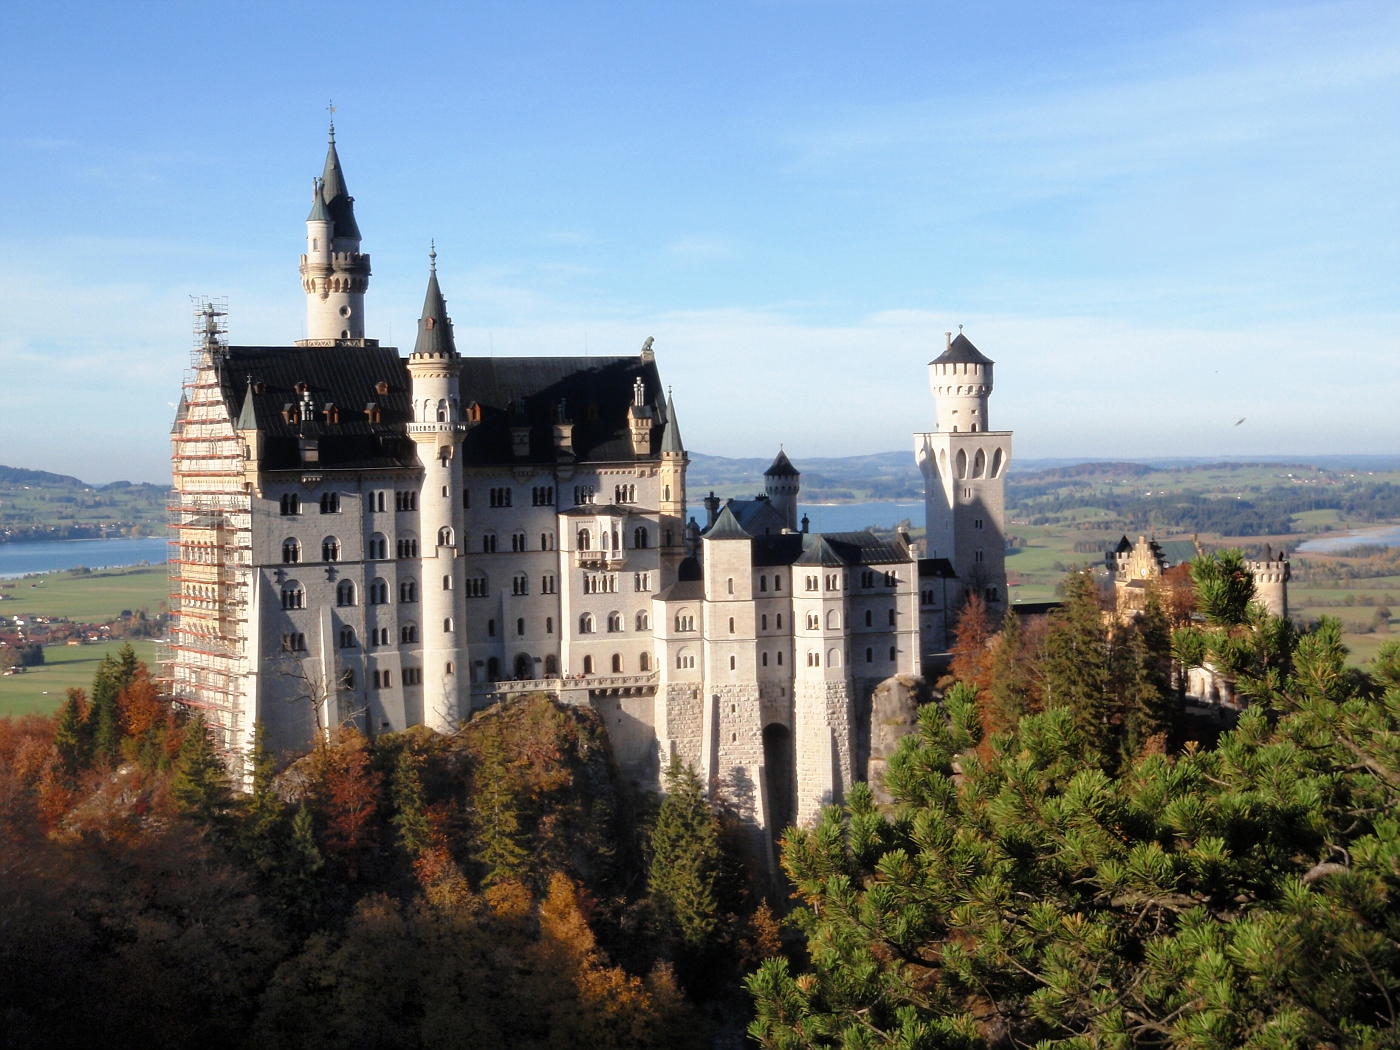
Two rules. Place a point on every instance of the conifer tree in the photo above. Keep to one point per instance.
(410, 810)
(104, 720)
(495, 808)
(1009, 691)
(686, 861)
(262, 829)
(69, 737)
(1078, 665)
(199, 784)
(127, 665)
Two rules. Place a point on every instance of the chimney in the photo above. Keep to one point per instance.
(947, 340)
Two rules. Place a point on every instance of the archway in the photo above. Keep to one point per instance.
(777, 761)
(524, 667)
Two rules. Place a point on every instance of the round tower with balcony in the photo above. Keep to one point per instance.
(961, 380)
(334, 272)
(437, 430)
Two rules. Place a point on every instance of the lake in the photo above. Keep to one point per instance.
(852, 517)
(1385, 536)
(20, 559)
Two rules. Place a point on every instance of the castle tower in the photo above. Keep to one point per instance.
(964, 465)
(671, 476)
(437, 430)
(781, 482)
(334, 274)
(1271, 575)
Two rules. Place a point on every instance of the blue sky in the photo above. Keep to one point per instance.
(1157, 218)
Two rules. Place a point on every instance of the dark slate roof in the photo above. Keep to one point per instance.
(345, 376)
(782, 467)
(616, 510)
(596, 393)
(1034, 608)
(936, 568)
(338, 200)
(820, 552)
(434, 326)
(757, 516)
(682, 591)
(726, 527)
(1177, 552)
(1124, 546)
(671, 439)
(961, 351)
(778, 549)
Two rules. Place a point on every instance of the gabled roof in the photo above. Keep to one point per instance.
(961, 351)
(757, 516)
(434, 326)
(820, 552)
(936, 568)
(682, 591)
(726, 527)
(671, 438)
(782, 467)
(1177, 552)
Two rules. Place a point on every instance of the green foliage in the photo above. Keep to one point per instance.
(1224, 587)
(495, 811)
(70, 736)
(410, 811)
(199, 784)
(104, 717)
(1078, 665)
(686, 862)
(1011, 687)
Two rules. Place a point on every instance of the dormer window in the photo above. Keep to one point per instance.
(381, 388)
(428, 323)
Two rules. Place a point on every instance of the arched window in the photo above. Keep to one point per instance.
(833, 620)
(869, 618)
(644, 662)
(293, 597)
(892, 653)
(520, 627)
(585, 623)
(962, 463)
(585, 541)
(447, 625)
(891, 617)
(347, 637)
(588, 665)
(549, 625)
(291, 504)
(551, 664)
(449, 668)
(378, 592)
(870, 656)
(291, 552)
(639, 537)
(477, 586)
(731, 663)
(617, 663)
(442, 410)
(345, 593)
(997, 461)
(524, 667)
(445, 538)
(685, 659)
(520, 584)
(614, 622)
(685, 620)
(407, 546)
(729, 585)
(780, 658)
(643, 621)
(833, 658)
(493, 669)
(546, 541)
(408, 591)
(979, 464)
(603, 541)
(488, 543)
(408, 633)
(330, 549)
(765, 659)
(378, 547)
(447, 582)
(330, 503)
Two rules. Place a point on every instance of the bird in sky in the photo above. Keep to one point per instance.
(1242, 419)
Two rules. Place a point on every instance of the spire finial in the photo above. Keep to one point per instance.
(432, 254)
(331, 109)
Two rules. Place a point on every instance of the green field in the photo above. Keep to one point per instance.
(41, 689)
(95, 597)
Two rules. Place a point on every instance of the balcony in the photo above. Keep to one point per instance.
(607, 560)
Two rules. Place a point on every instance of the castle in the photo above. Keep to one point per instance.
(390, 541)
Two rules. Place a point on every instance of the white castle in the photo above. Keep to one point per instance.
(384, 541)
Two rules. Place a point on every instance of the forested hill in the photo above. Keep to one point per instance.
(36, 504)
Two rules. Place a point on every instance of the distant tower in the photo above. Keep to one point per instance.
(782, 481)
(437, 429)
(1271, 575)
(334, 274)
(672, 483)
(964, 466)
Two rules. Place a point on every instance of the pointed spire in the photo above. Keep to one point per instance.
(726, 527)
(671, 439)
(248, 418)
(434, 327)
(318, 204)
(336, 195)
(782, 467)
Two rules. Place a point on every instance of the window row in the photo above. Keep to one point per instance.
(587, 625)
(618, 664)
(612, 540)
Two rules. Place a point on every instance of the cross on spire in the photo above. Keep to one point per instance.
(331, 109)
(432, 254)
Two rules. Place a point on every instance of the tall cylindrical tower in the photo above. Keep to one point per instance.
(334, 272)
(437, 428)
(781, 482)
(961, 380)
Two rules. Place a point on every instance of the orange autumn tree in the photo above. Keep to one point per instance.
(972, 656)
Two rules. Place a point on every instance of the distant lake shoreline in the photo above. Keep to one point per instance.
(32, 557)
(1383, 536)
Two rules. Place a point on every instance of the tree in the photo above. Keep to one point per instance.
(495, 807)
(1010, 687)
(972, 658)
(345, 797)
(410, 811)
(69, 738)
(1078, 664)
(686, 862)
(199, 784)
(104, 717)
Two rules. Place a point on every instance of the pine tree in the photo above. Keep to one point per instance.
(410, 810)
(200, 785)
(1009, 691)
(262, 827)
(297, 880)
(1078, 664)
(70, 738)
(686, 861)
(105, 718)
(127, 665)
(495, 808)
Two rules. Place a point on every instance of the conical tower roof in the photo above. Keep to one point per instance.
(782, 467)
(337, 197)
(726, 527)
(961, 351)
(248, 418)
(319, 213)
(434, 327)
(671, 438)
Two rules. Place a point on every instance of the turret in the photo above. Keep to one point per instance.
(781, 482)
(334, 273)
(961, 380)
(671, 478)
(437, 430)
(1271, 575)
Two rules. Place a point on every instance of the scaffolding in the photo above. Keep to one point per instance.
(210, 555)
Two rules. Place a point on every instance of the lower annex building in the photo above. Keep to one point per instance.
(387, 541)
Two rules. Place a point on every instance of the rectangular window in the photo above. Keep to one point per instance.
(641, 581)
(547, 585)
(466, 499)
(500, 497)
(412, 676)
(404, 501)
(542, 496)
